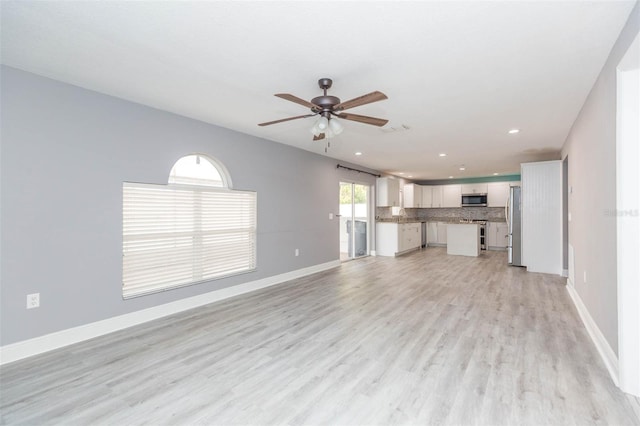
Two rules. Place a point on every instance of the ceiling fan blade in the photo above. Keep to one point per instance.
(361, 100)
(364, 119)
(297, 100)
(268, 123)
(319, 137)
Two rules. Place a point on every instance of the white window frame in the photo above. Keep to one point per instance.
(177, 235)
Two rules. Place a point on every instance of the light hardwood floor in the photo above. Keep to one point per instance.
(426, 338)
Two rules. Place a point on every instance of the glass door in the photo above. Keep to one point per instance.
(354, 220)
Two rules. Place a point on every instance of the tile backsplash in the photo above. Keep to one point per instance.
(494, 214)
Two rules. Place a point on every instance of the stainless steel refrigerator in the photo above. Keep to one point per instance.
(513, 211)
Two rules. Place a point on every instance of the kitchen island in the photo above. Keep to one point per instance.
(397, 238)
(463, 239)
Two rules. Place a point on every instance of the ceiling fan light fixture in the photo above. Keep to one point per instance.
(315, 130)
(322, 123)
(335, 126)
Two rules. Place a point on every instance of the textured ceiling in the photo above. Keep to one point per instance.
(458, 75)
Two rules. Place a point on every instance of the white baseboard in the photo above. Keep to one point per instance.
(604, 349)
(26, 348)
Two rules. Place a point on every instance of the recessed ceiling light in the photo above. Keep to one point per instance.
(400, 173)
(514, 131)
(462, 168)
(410, 176)
(442, 154)
(450, 177)
(496, 174)
(358, 153)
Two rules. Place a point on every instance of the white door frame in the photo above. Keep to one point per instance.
(628, 217)
(370, 210)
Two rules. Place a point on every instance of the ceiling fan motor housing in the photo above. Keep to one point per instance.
(326, 102)
(325, 83)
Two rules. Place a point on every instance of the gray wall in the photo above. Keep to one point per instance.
(591, 149)
(66, 152)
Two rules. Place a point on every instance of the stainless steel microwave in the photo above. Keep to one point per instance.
(474, 200)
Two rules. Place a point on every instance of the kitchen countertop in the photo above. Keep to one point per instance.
(444, 219)
(432, 219)
(400, 220)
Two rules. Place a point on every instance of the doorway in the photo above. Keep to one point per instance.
(354, 220)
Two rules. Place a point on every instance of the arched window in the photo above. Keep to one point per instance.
(197, 169)
(194, 229)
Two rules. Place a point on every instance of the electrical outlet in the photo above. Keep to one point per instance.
(297, 252)
(33, 300)
(330, 216)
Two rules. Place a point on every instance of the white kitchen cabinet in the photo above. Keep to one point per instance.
(502, 232)
(432, 233)
(387, 192)
(497, 233)
(427, 196)
(393, 239)
(442, 233)
(490, 232)
(410, 236)
(498, 194)
(412, 195)
(451, 195)
(436, 196)
(446, 195)
(474, 188)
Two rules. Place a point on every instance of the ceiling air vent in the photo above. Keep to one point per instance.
(393, 129)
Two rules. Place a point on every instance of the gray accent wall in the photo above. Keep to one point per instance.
(65, 153)
(591, 151)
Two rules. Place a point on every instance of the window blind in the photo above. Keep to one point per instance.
(179, 235)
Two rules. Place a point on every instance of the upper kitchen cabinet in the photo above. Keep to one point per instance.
(427, 196)
(413, 196)
(436, 195)
(475, 188)
(451, 195)
(387, 192)
(498, 194)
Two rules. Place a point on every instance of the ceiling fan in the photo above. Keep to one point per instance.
(327, 107)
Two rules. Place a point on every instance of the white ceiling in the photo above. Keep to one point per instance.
(459, 75)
